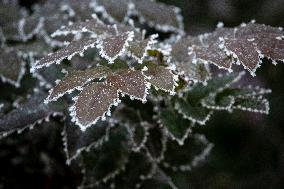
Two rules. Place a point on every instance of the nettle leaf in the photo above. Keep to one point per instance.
(94, 26)
(99, 164)
(209, 49)
(75, 47)
(215, 85)
(75, 80)
(12, 67)
(139, 135)
(30, 112)
(96, 99)
(212, 54)
(138, 48)
(75, 141)
(175, 125)
(254, 41)
(159, 15)
(218, 102)
(113, 10)
(186, 64)
(226, 100)
(135, 172)
(189, 106)
(160, 77)
(191, 111)
(156, 144)
(114, 46)
(131, 83)
(93, 102)
(252, 104)
(131, 120)
(194, 151)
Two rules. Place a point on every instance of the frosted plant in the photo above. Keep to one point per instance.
(121, 91)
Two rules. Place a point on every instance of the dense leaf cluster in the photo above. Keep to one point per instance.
(133, 98)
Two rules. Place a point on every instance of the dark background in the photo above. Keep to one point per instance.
(249, 148)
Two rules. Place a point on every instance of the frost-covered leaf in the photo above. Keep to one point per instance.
(194, 151)
(218, 102)
(99, 164)
(94, 26)
(75, 141)
(225, 100)
(190, 105)
(254, 28)
(212, 54)
(161, 77)
(252, 104)
(93, 103)
(12, 67)
(216, 84)
(131, 83)
(176, 126)
(131, 120)
(248, 91)
(76, 80)
(245, 51)
(28, 113)
(136, 170)
(156, 144)
(206, 48)
(186, 64)
(75, 47)
(138, 48)
(159, 15)
(252, 42)
(192, 111)
(112, 10)
(114, 46)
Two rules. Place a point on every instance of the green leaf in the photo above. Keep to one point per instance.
(191, 154)
(252, 104)
(193, 112)
(176, 126)
(98, 163)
